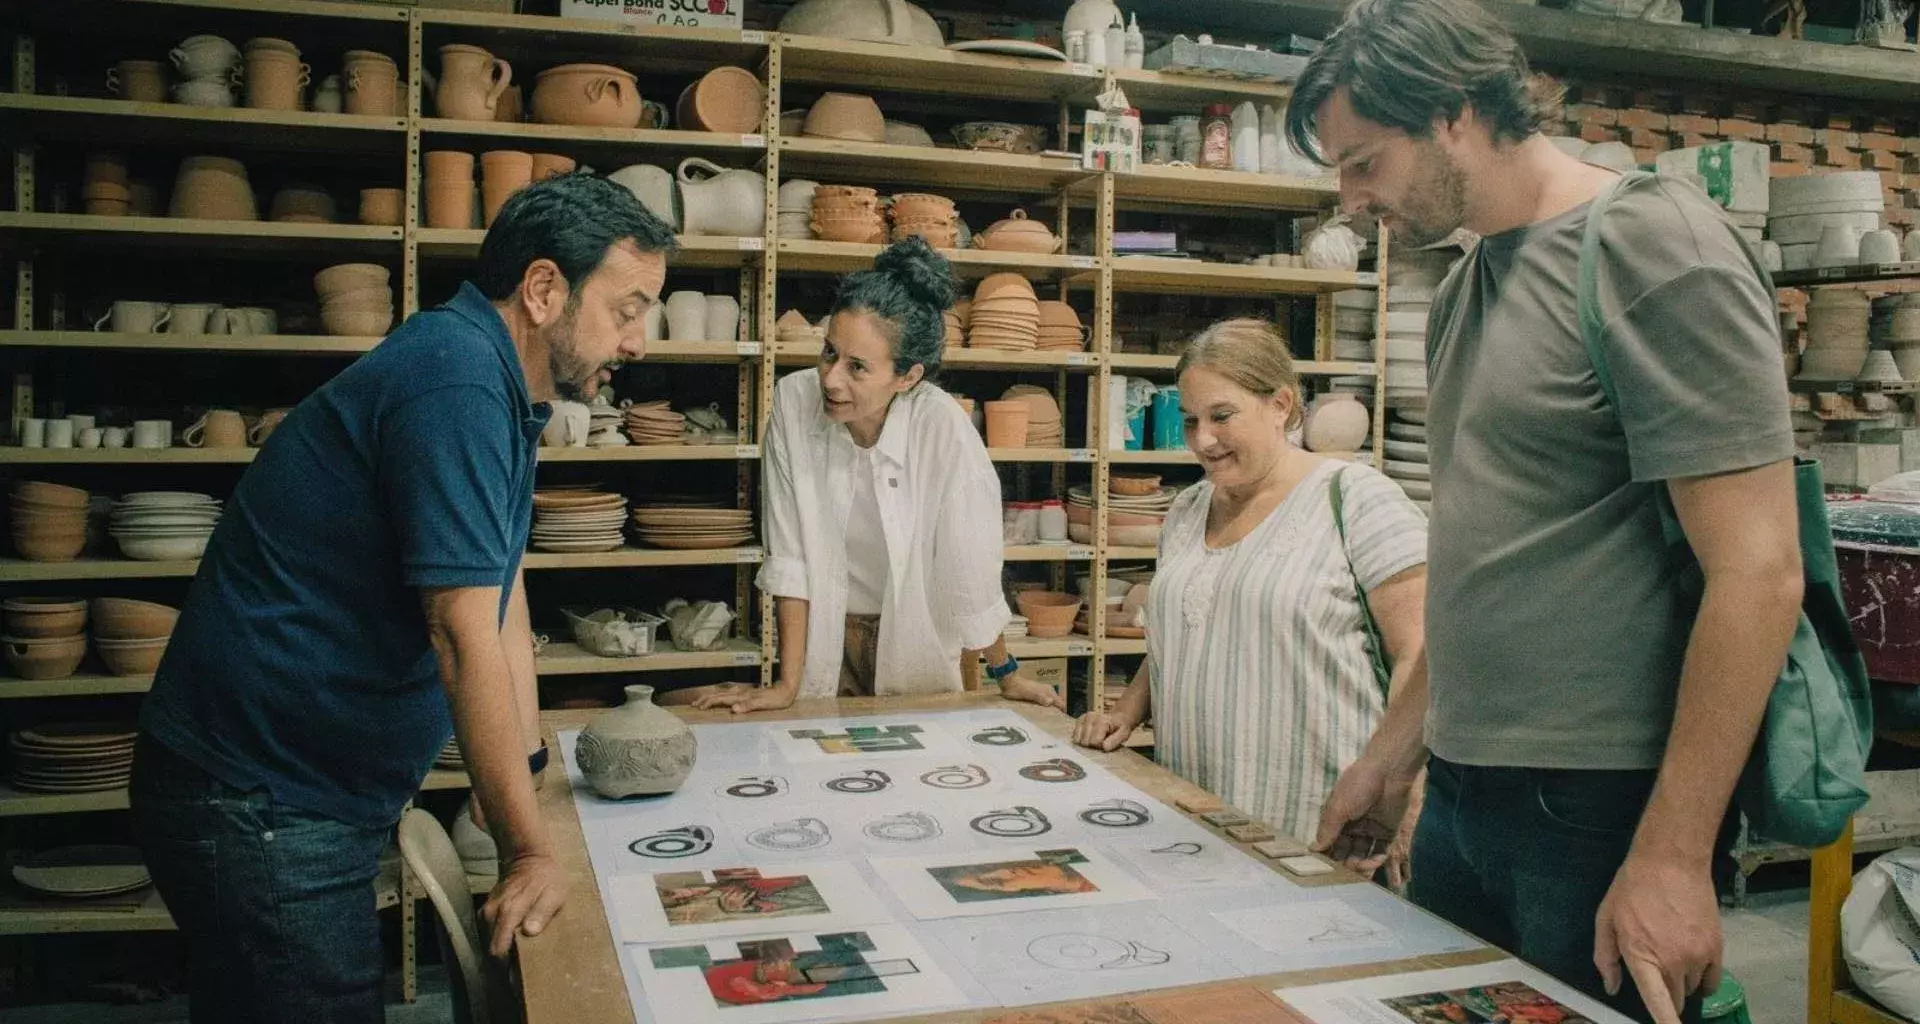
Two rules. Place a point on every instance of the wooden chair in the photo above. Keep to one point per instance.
(482, 994)
(1830, 995)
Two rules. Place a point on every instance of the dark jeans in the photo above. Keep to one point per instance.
(1523, 857)
(276, 904)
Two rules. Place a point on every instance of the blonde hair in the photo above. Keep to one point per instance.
(1252, 354)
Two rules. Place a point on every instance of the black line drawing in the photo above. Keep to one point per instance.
(906, 827)
(869, 781)
(1012, 823)
(1180, 849)
(1078, 951)
(753, 787)
(957, 776)
(673, 843)
(999, 736)
(1058, 769)
(1339, 928)
(1116, 814)
(798, 834)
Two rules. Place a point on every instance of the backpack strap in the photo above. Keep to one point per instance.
(1376, 649)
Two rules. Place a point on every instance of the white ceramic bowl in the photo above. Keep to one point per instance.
(162, 549)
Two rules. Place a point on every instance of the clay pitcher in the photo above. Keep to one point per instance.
(471, 82)
(637, 749)
(715, 200)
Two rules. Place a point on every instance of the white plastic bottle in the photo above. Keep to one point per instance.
(1136, 43)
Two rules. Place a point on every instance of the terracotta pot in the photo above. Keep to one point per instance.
(502, 173)
(344, 277)
(138, 81)
(106, 207)
(381, 205)
(1007, 424)
(920, 205)
(1017, 234)
(49, 495)
(356, 325)
(726, 99)
(43, 617)
(372, 82)
(511, 107)
(271, 43)
(132, 657)
(49, 658)
(303, 204)
(1003, 286)
(214, 188)
(274, 79)
(637, 749)
(589, 95)
(449, 167)
(715, 200)
(123, 618)
(551, 165)
(471, 81)
(848, 229)
(450, 204)
(846, 115)
(1050, 613)
(371, 297)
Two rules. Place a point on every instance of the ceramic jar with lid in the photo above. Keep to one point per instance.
(1017, 233)
(1216, 137)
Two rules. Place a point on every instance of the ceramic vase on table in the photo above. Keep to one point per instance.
(637, 749)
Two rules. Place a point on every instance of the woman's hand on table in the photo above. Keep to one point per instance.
(1018, 687)
(743, 699)
(1102, 730)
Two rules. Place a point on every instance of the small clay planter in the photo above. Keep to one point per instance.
(1007, 424)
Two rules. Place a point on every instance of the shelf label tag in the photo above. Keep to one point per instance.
(1079, 359)
(1084, 70)
(1079, 455)
(753, 37)
(1079, 649)
(747, 348)
(1083, 262)
(755, 141)
(746, 451)
(751, 244)
(745, 658)
(1079, 552)
(746, 555)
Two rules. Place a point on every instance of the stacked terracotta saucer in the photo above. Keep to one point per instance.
(655, 423)
(1060, 328)
(1407, 455)
(685, 527)
(72, 757)
(1133, 521)
(1004, 314)
(84, 872)
(848, 213)
(578, 521)
(1045, 428)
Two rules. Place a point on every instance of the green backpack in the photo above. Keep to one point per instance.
(1806, 775)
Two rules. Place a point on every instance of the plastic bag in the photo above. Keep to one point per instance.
(1879, 934)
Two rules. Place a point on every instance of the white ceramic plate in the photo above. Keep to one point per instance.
(167, 498)
(1406, 470)
(1009, 48)
(73, 871)
(1407, 432)
(1407, 451)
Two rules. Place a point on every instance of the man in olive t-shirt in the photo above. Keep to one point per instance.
(1586, 723)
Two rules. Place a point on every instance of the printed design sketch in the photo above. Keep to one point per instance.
(868, 781)
(753, 787)
(1315, 929)
(1076, 951)
(906, 827)
(1058, 769)
(1180, 849)
(733, 894)
(1047, 873)
(1012, 823)
(1116, 814)
(1346, 930)
(957, 776)
(1508, 1002)
(673, 843)
(999, 736)
(798, 834)
(863, 739)
(772, 971)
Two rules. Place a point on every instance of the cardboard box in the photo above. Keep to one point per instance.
(681, 13)
(1047, 672)
(1733, 173)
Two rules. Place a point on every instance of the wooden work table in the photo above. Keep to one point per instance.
(572, 973)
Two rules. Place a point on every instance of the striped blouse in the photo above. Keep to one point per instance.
(1262, 685)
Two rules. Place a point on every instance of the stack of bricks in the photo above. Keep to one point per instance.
(1804, 138)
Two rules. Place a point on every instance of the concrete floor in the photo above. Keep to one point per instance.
(434, 1006)
(1766, 944)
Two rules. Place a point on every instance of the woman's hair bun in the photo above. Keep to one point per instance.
(924, 274)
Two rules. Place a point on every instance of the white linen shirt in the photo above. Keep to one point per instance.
(940, 512)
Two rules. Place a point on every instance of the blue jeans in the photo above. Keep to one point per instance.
(276, 904)
(1523, 857)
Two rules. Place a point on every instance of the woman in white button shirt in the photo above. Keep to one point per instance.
(882, 510)
(1259, 674)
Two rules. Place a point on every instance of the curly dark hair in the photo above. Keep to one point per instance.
(1407, 62)
(909, 290)
(571, 219)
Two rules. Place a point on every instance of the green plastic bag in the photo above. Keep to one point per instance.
(1806, 774)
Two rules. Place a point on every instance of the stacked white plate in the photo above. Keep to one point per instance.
(603, 426)
(1353, 324)
(1407, 455)
(1412, 277)
(1016, 628)
(72, 757)
(578, 521)
(163, 525)
(685, 528)
(1799, 209)
(83, 872)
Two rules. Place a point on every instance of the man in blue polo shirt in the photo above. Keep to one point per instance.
(360, 601)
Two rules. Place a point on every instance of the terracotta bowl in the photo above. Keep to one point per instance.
(1134, 486)
(356, 325)
(376, 297)
(45, 658)
(41, 617)
(995, 286)
(123, 618)
(300, 201)
(588, 95)
(726, 99)
(345, 276)
(846, 115)
(1049, 613)
(132, 657)
(48, 495)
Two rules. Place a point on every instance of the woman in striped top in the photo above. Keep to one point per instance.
(1259, 675)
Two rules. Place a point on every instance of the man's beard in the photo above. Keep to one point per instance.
(571, 374)
(1436, 204)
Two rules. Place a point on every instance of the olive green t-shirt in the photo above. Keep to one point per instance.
(1555, 632)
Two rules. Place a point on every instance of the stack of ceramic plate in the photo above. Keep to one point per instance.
(655, 423)
(604, 423)
(1016, 628)
(1411, 279)
(578, 521)
(1800, 209)
(83, 872)
(163, 525)
(1407, 455)
(1902, 333)
(692, 528)
(1837, 328)
(1004, 314)
(1354, 318)
(1045, 428)
(72, 757)
(450, 759)
(1132, 521)
(1060, 328)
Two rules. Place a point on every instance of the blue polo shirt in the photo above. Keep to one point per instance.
(301, 661)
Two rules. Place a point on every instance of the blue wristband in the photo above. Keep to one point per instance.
(1005, 669)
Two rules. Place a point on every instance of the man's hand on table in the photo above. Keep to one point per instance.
(1364, 818)
(743, 699)
(1102, 730)
(530, 892)
(1662, 919)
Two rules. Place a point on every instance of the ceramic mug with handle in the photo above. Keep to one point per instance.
(219, 428)
(264, 427)
(192, 317)
(130, 316)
